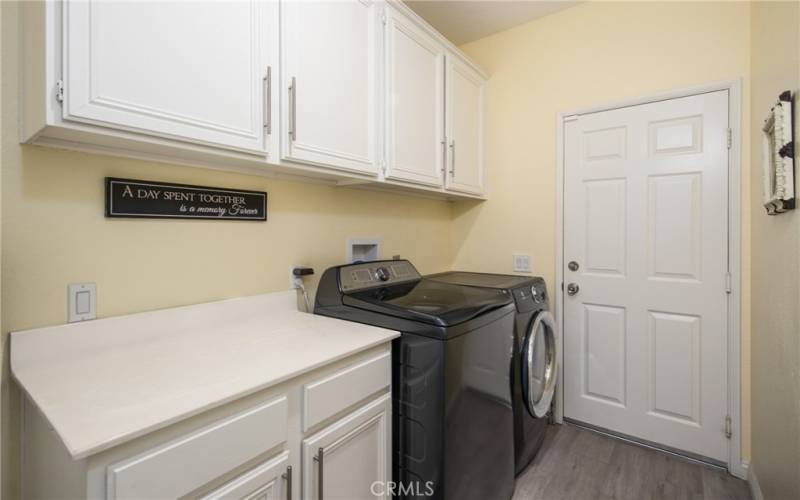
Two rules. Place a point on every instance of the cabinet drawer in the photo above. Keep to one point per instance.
(325, 397)
(183, 465)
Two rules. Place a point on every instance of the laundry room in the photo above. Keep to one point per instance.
(445, 249)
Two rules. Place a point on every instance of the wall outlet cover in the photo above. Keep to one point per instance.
(81, 302)
(522, 263)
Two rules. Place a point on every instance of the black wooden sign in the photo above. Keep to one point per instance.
(149, 199)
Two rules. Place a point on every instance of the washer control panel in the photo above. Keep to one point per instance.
(371, 274)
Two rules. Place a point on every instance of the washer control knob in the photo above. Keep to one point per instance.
(537, 297)
(383, 274)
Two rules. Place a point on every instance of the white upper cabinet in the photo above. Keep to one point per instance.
(465, 89)
(330, 68)
(415, 141)
(191, 71)
(346, 91)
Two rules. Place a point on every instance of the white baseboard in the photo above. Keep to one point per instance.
(752, 481)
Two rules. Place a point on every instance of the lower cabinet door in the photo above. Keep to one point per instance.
(350, 459)
(271, 480)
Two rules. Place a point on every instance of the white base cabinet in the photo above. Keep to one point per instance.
(352, 92)
(350, 458)
(255, 448)
(269, 481)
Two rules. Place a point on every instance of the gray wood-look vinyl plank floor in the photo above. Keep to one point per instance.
(578, 464)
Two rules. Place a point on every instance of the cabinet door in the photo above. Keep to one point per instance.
(343, 460)
(330, 73)
(194, 71)
(268, 481)
(415, 142)
(465, 90)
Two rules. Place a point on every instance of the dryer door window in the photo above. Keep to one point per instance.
(539, 365)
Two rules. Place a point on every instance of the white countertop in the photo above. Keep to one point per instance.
(104, 382)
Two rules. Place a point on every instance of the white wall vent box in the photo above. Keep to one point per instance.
(363, 249)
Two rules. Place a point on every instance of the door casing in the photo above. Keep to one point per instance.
(736, 466)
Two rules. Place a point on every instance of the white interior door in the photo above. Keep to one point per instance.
(194, 71)
(415, 141)
(645, 220)
(330, 70)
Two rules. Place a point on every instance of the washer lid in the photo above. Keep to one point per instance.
(429, 301)
(506, 281)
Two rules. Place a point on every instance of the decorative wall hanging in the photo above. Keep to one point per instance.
(778, 157)
(161, 200)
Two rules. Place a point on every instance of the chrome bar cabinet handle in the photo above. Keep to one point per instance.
(293, 109)
(288, 477)
(268, 100)
(453, 158)
(319, 459)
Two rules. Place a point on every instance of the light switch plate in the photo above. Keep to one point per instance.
(81, 301)
(522, 263)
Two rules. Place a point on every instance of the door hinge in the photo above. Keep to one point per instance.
(60, 91)
(383, 18)
(728, 430)
(728, 283)
(729, 136)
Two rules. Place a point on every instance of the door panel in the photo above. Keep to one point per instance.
(141, 67)
(465, 90)
(645, 216)
(675, 366)
(414, 102)
(330, 81)
(356, 452)
(604, 353)
(268, 481)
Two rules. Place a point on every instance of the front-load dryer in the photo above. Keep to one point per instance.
(534, 369)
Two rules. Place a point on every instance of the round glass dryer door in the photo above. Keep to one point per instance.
(539, 365)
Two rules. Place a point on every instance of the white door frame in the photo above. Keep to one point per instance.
(735, 464)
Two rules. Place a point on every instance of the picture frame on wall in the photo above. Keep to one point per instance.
(778, 157)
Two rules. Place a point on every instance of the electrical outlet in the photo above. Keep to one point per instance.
(295, 282)
(522, 263)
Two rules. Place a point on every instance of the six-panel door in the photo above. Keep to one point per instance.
(415, 141)
(350, 459)
(148, 67)
(645, 219)
(330, 83)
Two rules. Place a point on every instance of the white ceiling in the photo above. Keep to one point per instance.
(463, 21)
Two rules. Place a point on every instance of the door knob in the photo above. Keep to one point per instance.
(573, 289)
(573, 266)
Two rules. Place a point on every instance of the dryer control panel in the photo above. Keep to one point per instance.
(379, 273)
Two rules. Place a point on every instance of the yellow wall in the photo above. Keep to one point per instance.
(775, 267)
(54, 233)
(588, 55)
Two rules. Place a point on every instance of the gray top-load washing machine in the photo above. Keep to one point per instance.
(452, 415)
(534, 373)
